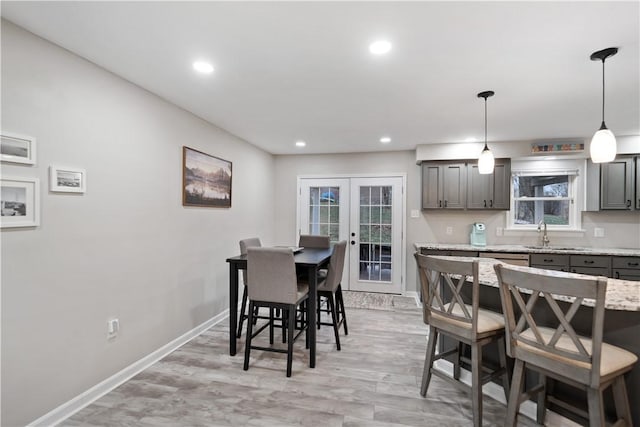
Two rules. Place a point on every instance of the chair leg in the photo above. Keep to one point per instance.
(247, 345)
(271, 326)
(513, 406)
(541, 410)
(621, 400)
(344, 316)
(456, 362)
(596, 407)
(476, 383)
(428, 360)
(243, 308)
(334, 317)
(318, 310)
(502, 355)
(291, 320)
(283, 322)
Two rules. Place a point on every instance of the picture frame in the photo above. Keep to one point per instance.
(67, 180)
(206, 180)
(19, 202)
(15, 148)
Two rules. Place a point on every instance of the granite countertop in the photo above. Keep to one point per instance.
(528, 249)
(622, 295)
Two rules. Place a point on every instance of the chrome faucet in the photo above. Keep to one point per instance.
(545, 238)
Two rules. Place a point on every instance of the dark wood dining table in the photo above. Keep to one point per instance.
(309, 260)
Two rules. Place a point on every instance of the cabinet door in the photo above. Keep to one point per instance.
(431, 186)
(638, 183)
(616, 185)
(501, 186)
(478, 188)
(455, 184)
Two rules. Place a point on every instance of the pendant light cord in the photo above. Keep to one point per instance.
(485, 123)
(602, 90)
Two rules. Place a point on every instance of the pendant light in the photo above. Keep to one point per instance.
(603, 143)
(486, 160)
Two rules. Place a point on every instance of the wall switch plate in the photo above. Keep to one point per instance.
(415, 213)
(449, 230)
(598, 232)
(113, 326)
(499, 231)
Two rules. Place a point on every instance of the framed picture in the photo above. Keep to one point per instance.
(17, 148)
(67, 180)
(206, 180)
(20, 202)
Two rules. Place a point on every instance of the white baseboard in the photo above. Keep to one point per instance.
(527, 408)
(414, 295)
(84, 399)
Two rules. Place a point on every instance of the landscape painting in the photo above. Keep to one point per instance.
(206, 180)
(17, 148)
(19, 202)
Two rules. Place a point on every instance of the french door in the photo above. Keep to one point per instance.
(368, 213)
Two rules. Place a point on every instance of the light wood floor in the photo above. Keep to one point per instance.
(373, 381)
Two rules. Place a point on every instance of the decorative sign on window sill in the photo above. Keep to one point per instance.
(557, 148)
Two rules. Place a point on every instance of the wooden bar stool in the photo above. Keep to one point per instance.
(462, 321)
(559, 352)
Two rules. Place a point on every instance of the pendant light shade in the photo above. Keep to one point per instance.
(486, 161)
(603, 144)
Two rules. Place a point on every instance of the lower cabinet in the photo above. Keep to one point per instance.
(590, 264)
(626, 268)
(550, 261)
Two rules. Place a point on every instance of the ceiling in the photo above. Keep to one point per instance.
(288, 71)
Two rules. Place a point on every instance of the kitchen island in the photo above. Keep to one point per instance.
(622, 314)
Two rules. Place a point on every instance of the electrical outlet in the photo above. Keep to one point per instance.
(113, 327)
(598, 232)
(415, 213)
(449, 230)
(499, 231)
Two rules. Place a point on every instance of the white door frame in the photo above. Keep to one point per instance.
(403, 175)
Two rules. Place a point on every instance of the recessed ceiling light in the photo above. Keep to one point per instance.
(203, 67)
(470, 139)
(385, 140)
(380, 47)
(300, 144)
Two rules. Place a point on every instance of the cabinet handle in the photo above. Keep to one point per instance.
(588, 262)
(485, 203)
(617, 274)
(547, 260)
(439, 203)
(445, 203)
(632, 264)
(490, 203)
(628, 203)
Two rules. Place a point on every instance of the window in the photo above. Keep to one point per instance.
(547, 196)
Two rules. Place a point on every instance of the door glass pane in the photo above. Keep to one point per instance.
(375, 238)
(324, 212)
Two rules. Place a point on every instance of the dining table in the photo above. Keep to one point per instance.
(308, 259)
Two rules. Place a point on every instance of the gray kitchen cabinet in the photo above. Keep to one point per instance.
(617, 184)
(443, 185)
(637, 183)
(550, 261)
(593, 265)
(489, 191)
(627, 268)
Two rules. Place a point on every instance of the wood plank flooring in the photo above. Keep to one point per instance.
(374, 381)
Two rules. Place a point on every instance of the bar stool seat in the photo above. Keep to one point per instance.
(488, 321)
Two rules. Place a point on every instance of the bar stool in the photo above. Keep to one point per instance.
(244, 245)
(330, 289)
(446, 313)
(273, 284)
(560, 353)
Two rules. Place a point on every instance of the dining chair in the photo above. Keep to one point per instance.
(528, 298)
(314, 241)
(273, 284)
(447, 313)
(244, 245)
(331, 289)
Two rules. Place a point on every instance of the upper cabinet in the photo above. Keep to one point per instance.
(458, 185)
(443, 185)
(489, 191)
(618, 184)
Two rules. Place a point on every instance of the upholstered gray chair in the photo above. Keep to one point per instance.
(331, 289)
(273, 284)
(314, 241)
(558, 352)
(447, 313)
(244, 244)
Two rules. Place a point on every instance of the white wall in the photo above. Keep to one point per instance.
(127, 248)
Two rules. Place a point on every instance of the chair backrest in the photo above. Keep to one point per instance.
(272, 275)
(447, 300)
(536, 344)
(314, 241)
(248, 243)
(336, 265)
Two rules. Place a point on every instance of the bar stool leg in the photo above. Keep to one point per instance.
(242, 311)
(428, 360)
(596, 407)
(291, 320)
(334, 317)
(476, 383)
(621, 399)
(247, 346)
(513, 406)
(502, 354)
